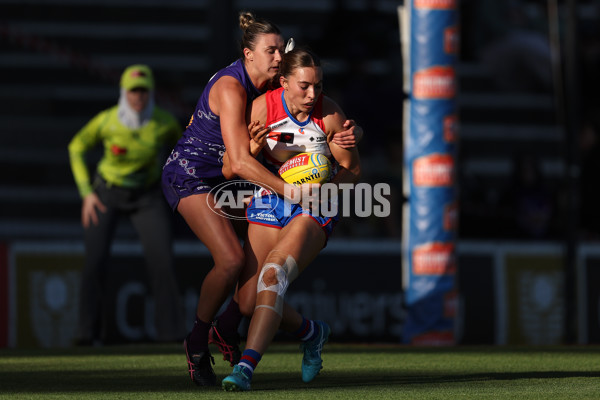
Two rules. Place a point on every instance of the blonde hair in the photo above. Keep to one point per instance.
(252, 27)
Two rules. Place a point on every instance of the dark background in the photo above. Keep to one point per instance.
(529, 113)
(61, 60)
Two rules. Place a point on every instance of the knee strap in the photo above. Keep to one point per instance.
(284, 275)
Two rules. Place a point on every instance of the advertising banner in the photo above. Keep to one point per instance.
(430, 138)
(535, 299)
(336, 287)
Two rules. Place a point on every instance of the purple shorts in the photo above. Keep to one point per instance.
(176, 185)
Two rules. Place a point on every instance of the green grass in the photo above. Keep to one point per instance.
(350, 372)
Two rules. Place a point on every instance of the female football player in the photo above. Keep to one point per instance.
(283, 238)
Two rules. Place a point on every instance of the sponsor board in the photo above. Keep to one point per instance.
(433, 170)
(438, 82)
(46, 293)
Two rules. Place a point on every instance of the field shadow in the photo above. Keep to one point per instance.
(277, 381)
(159, 380)
(45, 378)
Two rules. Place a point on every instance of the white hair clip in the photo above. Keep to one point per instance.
(290, 45)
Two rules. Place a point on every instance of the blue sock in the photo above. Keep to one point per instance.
(307, 331)
(249, 361)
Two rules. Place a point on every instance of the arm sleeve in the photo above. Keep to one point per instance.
(82, 142)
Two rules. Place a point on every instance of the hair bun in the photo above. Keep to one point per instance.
(246, 19)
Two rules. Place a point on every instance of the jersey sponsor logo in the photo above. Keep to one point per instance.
(301, 130)
(450, 128)
(435, 258)
(435, 4)
(263, 216)
(437, 82)
(433, 170)
(282, 137)
(278, 124)
(451, 40)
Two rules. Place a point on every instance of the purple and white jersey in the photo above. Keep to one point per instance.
(199, 152)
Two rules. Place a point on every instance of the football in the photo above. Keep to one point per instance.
(306, 168)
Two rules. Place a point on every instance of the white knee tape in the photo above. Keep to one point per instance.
(285, 274)
(291, 268)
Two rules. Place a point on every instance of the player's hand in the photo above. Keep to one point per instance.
(350, 136)
(91, 204)
(310, 196)
(258, 136)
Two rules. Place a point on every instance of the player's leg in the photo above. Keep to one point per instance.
(218, 235)
(261, 239)
(298, 244)
(224, 330)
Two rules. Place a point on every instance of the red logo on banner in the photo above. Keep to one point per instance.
(451, 40)
(450, 128)
(434, 338)
(434, 258)
(451, 217)
(433, 170)
(435, 83)
(435, 4)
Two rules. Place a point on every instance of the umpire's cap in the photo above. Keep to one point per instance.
(137, 76)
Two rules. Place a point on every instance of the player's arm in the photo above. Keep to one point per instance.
(347, 157)
(349, 136)
(257, 130)
(230, 104)
(258, 139)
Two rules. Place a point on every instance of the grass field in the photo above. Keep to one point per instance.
(350, 372)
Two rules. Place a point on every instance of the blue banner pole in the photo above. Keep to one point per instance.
(430, 136)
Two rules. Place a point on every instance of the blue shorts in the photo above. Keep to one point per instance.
(272, 210)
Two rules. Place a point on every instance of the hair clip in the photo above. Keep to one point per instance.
(290, 45)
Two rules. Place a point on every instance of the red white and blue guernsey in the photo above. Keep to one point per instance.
(288, 137)
(195, 163)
